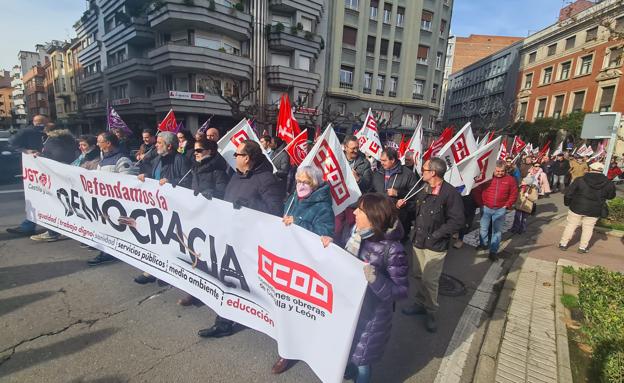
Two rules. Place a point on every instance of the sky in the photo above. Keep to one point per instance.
(28, 22)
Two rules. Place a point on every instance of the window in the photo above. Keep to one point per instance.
(423, 53)
(532, 57)
(383, 48)
(396, 51)
(570, 41)
(349, 35)
(410, 120)
(387, 13)
(381, 83)
(579, 99)
(442, 27)
(280, 60)
(190, 37)
(522, 112)
(346, 77)
(370, 44)
(394, 83)
(591, 34)
(425, 22)
(307, 24)
(282, 19)
(374, 9)
(547, 76)
(619, 24)
(304, 63)
(400, 17)
(352, 4)
(552, 49)
(434, 93)
(558, 106)
(541, 106)
(606, 99)
(528, 80)
(417, 88)
(120, 91)
(586, 64)
(341, 108)
(564, 70)
(368, 80)
(439, 57)
(615, 56)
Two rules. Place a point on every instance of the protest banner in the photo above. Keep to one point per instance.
(245, 265)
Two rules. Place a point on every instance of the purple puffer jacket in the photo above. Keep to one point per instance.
(373, 328)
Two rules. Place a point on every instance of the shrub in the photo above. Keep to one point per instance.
(569, 301)
(616, 210)
(309, 35)
(293, 30)
(279, 27)
(607, 363)
(239, 7)
(299, 27)
(211, 5)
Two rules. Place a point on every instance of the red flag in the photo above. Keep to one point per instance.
(517, 146)
(317, 132)
(403, 146)
(298, 148)
(287, 126)
(545, 149)
(168, 124)
(502, 154)
(438, 144)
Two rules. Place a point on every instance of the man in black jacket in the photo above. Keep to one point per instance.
(586, 197)
(256, 187)
(280, 159)
(439, 214)
(560, 169)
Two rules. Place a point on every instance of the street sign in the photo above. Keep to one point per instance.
(599, 125)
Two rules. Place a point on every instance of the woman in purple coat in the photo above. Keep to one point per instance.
(375, 239)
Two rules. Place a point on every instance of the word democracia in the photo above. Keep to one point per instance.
(146, 197)
(149, 227)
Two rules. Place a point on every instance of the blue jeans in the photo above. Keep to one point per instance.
(363, 374)
(27, 225)
(497, 217)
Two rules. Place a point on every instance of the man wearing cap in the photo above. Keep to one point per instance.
(560, 169)
(586, 197)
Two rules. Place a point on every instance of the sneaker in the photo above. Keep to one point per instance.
(216, 331)
(101, 259)
(143, 279)
(493, 257)
(482, 248)
(45, 237)
(582, 251)
(458, 244)
(21, 232)
(563, 247)
(415, 309)
(431, 323)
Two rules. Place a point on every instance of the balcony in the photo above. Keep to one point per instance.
(90, 52)
(97, 109)
(88, 20)
(310, 7)
(366, 90)
(285, 77)
(18, 102)
(17, 93)
(91, 83)
(175, 15)
(137, 33)
(134, 105)
(173, 57)
(135, 68)
(195, 103)
(346, 85)
(286, 41)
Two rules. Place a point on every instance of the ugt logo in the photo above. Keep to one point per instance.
(239, 137)
(37, 177)
(295, 279)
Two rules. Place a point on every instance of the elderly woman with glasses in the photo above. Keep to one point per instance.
(310, 207)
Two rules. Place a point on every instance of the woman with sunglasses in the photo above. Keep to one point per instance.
(310, 207)
(541, 179)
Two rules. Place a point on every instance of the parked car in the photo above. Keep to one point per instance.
(10, 159)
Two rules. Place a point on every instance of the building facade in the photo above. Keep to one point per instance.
(18, 108)
(468, 50)
(35, 92)
(484, 92)
(6, 102)
(380, 59)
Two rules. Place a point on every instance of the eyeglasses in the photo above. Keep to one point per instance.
(427, 170)
(305, 182)
(199, 150)
(239, 154)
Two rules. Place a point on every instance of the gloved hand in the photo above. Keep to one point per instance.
(207, 194)
(370, 273)
(239, 203)
(195, 193)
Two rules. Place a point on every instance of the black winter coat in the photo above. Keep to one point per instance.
(403, 181)
(363, 169)
(209, 177)
(560, 168)
(29, 138)
(60, 146)
(437, 217)
(281, 160)
(586, 195)
(173, 168)
(258, 189)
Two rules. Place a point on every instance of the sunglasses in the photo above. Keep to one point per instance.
(200, 150)
(239, 154)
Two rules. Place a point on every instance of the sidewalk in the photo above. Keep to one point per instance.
(523, 333)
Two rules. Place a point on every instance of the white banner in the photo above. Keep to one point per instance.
(475, 169)
(230, 141)
(415, 146)
(328, 156)
(244, 264)
(368, 137)
(457, 149)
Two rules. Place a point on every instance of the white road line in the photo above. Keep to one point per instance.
(11, 191)
(456, 354)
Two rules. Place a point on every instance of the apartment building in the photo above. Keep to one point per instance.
(201, 58)
(574, 65)
(18, 107)
(468, 50)
(5, 98)
(59, 75)
(381, 59)
(35, 92)
(484, 92)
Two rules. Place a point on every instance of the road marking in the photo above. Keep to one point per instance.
(457, 351)
(11, 191)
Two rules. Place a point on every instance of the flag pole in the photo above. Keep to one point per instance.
(412, 189)
(183, 177)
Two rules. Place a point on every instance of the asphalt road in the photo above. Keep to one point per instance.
(63, 321)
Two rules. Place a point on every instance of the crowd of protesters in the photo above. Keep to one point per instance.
(377, 229)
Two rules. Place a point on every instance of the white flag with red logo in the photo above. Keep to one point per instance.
(477, 168)
(287, 126)
(230, 141)
(368, 137)
(517, 146)
(328, 156)
(459, 147)
(502, 153)
(559, 149)
(415, 146)
(298, 148)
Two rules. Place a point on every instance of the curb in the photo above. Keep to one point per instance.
(485, 371)
(564, 371)
(612, 232)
